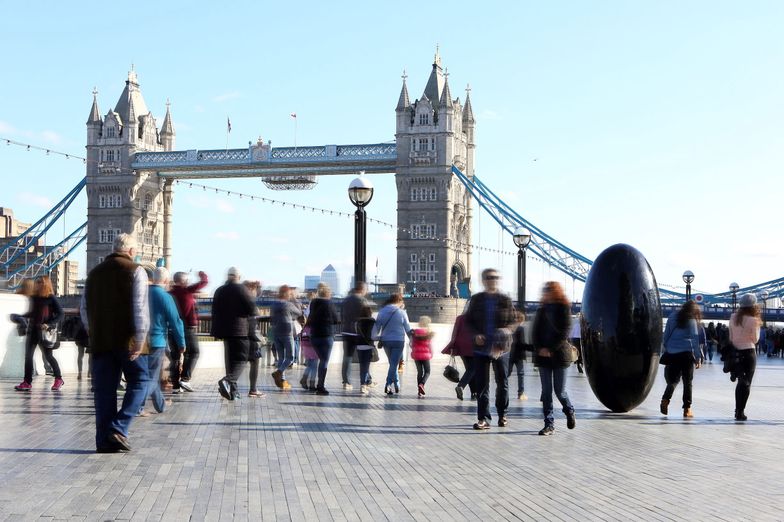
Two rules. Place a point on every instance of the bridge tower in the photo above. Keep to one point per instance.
(433, 207)
(120, 200)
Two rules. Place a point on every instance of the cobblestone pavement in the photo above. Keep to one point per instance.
(297, 456)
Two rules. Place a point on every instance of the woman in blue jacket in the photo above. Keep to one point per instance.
(682, 353)
(392, 328)
(164, 318)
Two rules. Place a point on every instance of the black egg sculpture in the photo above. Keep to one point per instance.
(621, 328)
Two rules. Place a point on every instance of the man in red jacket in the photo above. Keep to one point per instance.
(186, 304)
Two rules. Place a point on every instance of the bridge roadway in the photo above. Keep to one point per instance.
(295, 456)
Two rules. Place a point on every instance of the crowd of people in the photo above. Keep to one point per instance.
(135, 315)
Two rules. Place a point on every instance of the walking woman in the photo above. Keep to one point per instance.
(744, 335)
(551, 327)
(45, 314)
(255, 342)
(683, 354)
(392, 328)
(322, 319)
(284, 314)
(462, 345)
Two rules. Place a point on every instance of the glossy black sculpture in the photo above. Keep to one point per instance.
(621, 328)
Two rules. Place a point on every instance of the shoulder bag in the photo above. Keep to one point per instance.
(565, 353)
(49, 337)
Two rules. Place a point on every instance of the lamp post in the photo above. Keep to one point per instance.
(764, 296)
(521, 237)
(688, 278)
(734, 289)
(360, 192)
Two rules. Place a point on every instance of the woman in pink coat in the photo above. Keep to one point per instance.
(422, 352)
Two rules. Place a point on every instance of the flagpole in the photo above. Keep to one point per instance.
(228, 130)
(295, 133)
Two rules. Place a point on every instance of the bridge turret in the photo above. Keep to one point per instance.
(94, 122)
(167, 129)
(469, 127)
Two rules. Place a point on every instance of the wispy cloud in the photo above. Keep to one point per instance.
(226, 96)
(204, 201)
(224, 206)
(490, 115)
(229, 236)
(48, 136)
(278, 240)
(35, 199)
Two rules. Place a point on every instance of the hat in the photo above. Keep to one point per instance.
(233, 271)
(748, 300)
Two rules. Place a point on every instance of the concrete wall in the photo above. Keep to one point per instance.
(441, 310)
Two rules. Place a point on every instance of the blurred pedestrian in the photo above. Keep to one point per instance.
(392, 328)
(322, 320)
(350, 312)
(185, 296)
(422, 352)
(744, 335)
(681, 340)
(284, 314)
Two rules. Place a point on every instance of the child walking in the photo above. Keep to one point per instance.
(517, 356)
(422, 352)
(308, 380)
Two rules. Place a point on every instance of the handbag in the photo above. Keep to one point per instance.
(566, 353)
(49, 337)
(450, 371)
(374, 354)
(381, 330)
(666, 357)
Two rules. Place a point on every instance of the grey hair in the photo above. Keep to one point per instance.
(180, 277)
(124, 243)
(161, 275)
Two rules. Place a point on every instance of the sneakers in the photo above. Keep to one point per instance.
(503, 422)
(546, 431)
(459, 393)
(277, 376)
(663, 406)
(120, 441)
(421, 390)
(235, 396)
(363, 389)
(482, 425)
(397, 388)
(256, 394)
(186, 385)
(347, 386)
(23, 386)
(687, 413)
(224, 388)
(58, 383)
(522, 397)
(177, 391)
(322, 391)
(388, 390)
(284, 385)
(372, 384)
(571, 420)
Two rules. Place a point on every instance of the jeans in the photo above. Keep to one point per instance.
(297, 347)
(711, 350)
(682, 365)
(520, 365)
(323, 347)
(107, 368)
(364, 357)
(349, 345)
(153, 391)
(184, 371)
(285, 348)
(394, 351)
(468, 375)
(747, 363)
(311, 371)
(500, 366)
(235, 354)
(423, 371)
(553, 380)
(33, 339)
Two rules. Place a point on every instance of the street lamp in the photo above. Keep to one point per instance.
(521, 237)
(734, 289)
(764, 296)
(360, 192)
(688, 278)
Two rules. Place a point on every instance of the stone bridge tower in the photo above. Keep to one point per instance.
(433, 207)
(118, 199)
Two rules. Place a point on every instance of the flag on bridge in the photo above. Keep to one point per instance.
(294, 115)
(228, 124)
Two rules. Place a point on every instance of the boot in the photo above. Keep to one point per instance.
(663, 406)
(687, 413)
(740, 415)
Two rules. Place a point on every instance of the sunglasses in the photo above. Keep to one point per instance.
(492, 278)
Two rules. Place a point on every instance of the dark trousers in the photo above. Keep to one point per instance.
(364, 356)
(31, 342)
(178, 371)
(468, 376)
(500, 367)
(682, 366)
(235, 353)
(747, 363)
(520, 365)
(323, 348)
(253, 375)
(80, 360)
(107, 368)
(423, 371)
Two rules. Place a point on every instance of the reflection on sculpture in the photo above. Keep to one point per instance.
(621, 328)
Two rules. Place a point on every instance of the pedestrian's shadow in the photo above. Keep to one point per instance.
(56, 451)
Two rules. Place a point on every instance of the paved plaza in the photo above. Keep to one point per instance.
(297, 456)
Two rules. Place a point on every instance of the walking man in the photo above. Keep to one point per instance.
(231, 307)
(186, 304)
(489, 314)
(351, 311)
(114, 306)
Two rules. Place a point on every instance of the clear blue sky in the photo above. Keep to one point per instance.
(655, 124)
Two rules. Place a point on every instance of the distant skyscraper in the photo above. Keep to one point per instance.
(330, 277)
(311, 282)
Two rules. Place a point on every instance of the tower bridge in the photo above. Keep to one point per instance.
(132, 164)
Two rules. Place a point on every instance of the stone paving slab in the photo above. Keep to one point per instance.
(296, 456)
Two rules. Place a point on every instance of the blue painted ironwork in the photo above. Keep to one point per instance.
(50, 258)
(29, 238)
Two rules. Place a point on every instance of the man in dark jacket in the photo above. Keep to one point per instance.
(489, 314)
(116, 311)
(231, 307)
(183, 294)
(350, 312)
